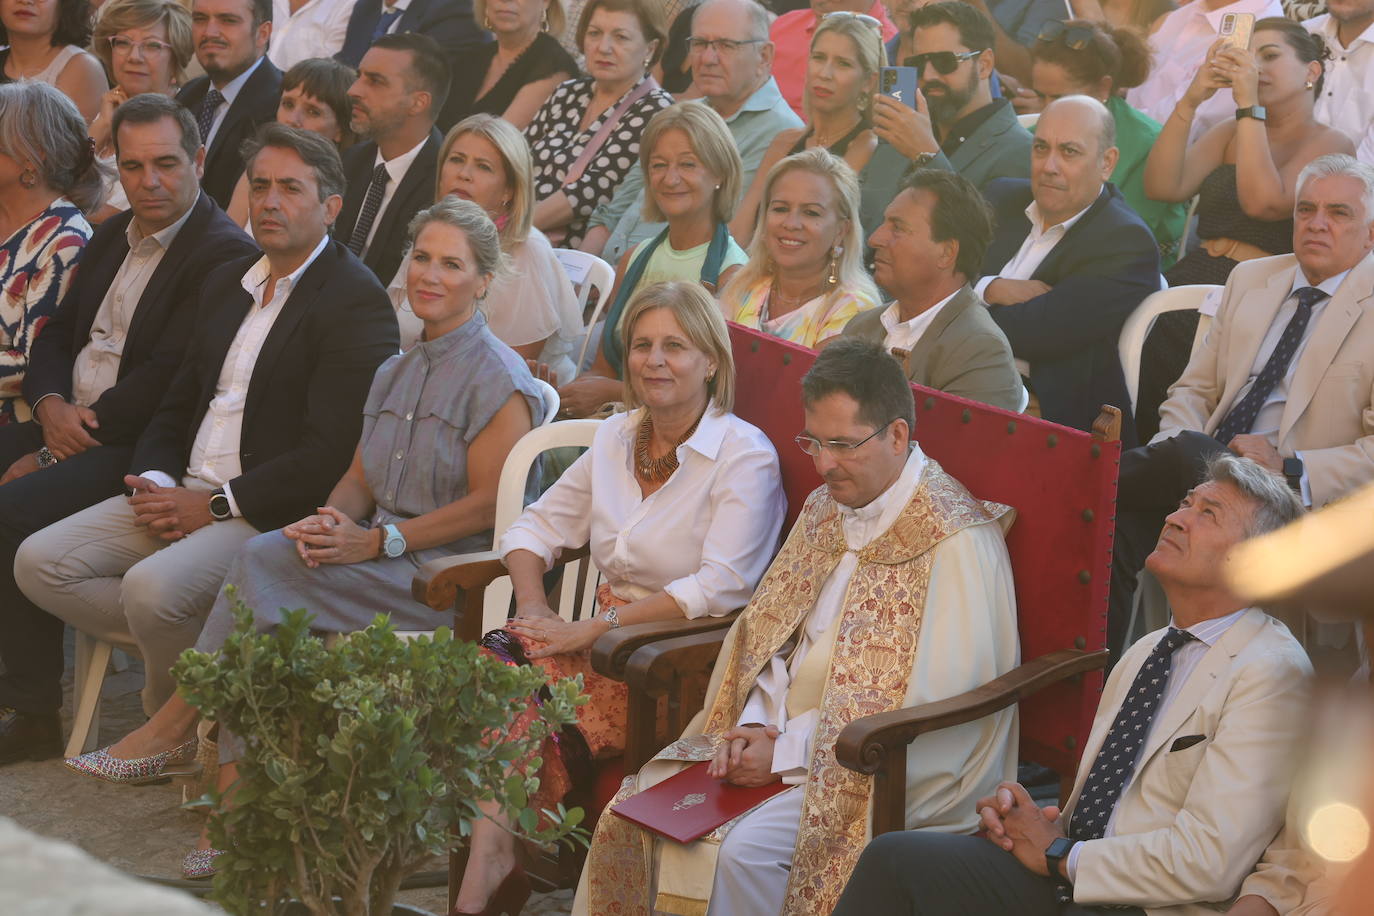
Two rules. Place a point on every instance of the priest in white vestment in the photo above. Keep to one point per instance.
(894, 589)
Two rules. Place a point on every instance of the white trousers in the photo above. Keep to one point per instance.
(756, 858)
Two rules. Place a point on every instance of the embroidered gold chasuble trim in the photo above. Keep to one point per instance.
(874, 651)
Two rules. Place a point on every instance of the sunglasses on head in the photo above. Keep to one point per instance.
(944, 62)
(1074, 37)
(862, 17)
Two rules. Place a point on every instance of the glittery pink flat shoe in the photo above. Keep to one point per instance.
(140, 771)
(200, 863)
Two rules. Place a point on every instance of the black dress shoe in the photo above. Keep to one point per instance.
(29, 736)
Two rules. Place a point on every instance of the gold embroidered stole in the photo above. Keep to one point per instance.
(873, 654)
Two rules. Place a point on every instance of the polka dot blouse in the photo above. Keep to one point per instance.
(556, 142)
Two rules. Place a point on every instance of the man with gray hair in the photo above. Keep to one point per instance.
(732, 64)
(262, 418)
(1069, 263)
(1283, 375)
(1186, 773)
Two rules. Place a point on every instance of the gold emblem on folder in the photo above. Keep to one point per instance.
(690, 800)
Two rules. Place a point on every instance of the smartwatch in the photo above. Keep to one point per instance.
(1254, 111)
(1292, 472)
(1056, 853)
(219, 506)
(393, 542)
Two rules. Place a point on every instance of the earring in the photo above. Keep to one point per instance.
(834, 276)
(1310, 84)
(486, 23)
(544, 24)
(717, 187)
(29, 177)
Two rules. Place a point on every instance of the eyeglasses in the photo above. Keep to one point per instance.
(149, 48)
(721, 46)
(862, 17)
(1074, 37)
(944, 62)
(836, 447)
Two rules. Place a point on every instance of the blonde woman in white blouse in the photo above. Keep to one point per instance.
(681, 502)
(531, 307)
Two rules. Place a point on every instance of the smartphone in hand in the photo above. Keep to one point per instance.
(1238, 29)
(900, 84)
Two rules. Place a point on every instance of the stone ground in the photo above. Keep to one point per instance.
(141, 830)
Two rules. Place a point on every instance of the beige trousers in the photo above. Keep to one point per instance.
(108, 577)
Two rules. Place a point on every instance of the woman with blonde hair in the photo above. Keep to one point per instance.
(805, 277)
(680, 502)
(514, 74)
(692, 173)
(531, 306)
(841, 78)
(145, 45)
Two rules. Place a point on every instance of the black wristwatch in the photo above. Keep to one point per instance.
(219, 506)
(1254, 111)
(1292, 472)
(1056, 853)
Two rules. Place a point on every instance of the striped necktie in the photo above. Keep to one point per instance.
(371, 204)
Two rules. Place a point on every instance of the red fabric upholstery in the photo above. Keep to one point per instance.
(1061, 482)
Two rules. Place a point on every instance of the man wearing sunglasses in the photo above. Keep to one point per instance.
(792, 33)
(957, 125)
(1069, 263)
(893, 589)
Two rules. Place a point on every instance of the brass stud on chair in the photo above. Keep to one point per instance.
(1095, 451)
(1080, 643)
(1053, 440)
(1070, 742)
(966, 416)
(753, 346)
(1088, 515)
(787, 359)
(930, 403)
(1011, 427)
(1084, 576)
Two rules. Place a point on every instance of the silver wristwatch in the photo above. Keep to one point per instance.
(611, 617)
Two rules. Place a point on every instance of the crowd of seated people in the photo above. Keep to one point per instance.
(323, 286)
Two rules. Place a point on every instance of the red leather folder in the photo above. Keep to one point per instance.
(691, 804)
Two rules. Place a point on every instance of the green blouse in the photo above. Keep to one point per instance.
(1135, 134)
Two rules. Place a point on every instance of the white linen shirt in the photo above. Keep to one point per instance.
(1186, 658)
(215, 453)
(230, 92)
(1179, 46)
(315, 30)
(96, 367)
(1037, 246)
(902, 335)
(396, 170)
(1347, 99)
(705, 537)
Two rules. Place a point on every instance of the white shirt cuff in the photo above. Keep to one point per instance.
(1304, 484)
(755, 709)
(233, 506)
(161, 478)
(792, 749)
(981, 287)
(520, 538)
(1071, 863)
(688, 595)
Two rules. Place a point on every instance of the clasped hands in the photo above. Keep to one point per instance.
(1016, 823)
(65, 433)
(746, 756)
(171, 513)
(331, 537)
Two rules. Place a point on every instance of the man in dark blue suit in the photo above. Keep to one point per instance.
(241, 87)
(449, 22)
(96, 374)
(1070, 262)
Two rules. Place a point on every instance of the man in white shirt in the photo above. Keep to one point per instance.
(1186, 771)
(1069, 262)
(1179, 47)
(931, 243)
(302, 29)
(401, 86)
(1282, 376)
(891, 530)
(261, 420)
(1347, 98)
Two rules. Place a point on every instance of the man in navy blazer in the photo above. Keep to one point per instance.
(449, 22)
(96, 373)
(231, 45)
(1069, 263)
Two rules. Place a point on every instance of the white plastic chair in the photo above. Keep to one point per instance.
(551, 401)
(1028, 121)
(587, 272)
(1137, 327)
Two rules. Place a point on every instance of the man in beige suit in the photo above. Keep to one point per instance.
(931, 243)
(1283, 375)
(1185, 774)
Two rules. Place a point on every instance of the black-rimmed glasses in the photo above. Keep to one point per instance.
(944, 62)
(837, 447)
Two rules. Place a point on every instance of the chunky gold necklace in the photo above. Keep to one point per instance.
(657, 470)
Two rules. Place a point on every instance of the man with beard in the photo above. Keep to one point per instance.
(957, 124)
(240, 89)
(401, 86)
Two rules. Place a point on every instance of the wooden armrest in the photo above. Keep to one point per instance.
(864, 742)
(612, 652)
(439, 583)
(650, 669)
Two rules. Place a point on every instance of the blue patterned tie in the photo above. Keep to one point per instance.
(389, 16)
(208, 106)
(371, 204)
(1116, 760)
(1241, 417)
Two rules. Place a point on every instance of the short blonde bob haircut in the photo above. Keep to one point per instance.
(712, 142)
(121, 15)
(555, 20)
(699, 316)
(515, 159)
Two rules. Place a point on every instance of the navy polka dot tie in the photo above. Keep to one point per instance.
(208, 106)
(1241, 417)
(1116, 760)
(371, 204)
